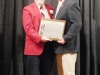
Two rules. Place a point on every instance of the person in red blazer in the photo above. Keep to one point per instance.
(38, 50)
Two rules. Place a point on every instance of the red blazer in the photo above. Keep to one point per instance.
(31, 20)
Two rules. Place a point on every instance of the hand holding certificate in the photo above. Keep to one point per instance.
(51, 28)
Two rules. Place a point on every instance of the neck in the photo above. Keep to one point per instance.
(39, 2)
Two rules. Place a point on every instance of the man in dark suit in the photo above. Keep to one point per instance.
(67, 47)
(37, 55)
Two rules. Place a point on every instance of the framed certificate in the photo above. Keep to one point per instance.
(51, 28)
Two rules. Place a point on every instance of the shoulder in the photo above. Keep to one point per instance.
(72, 3)
(29, 7)
(73, 6)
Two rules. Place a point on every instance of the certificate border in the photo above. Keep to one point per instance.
(55, 21)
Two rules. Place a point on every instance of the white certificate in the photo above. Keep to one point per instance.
(51, 28)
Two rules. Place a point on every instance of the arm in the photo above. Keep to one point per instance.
(28, 26)
(76, 23)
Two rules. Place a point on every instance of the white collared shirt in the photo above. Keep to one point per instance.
(44, 11)
(58, 6)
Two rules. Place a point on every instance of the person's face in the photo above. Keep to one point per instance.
(40, 2)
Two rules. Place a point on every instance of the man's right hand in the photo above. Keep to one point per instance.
(45, 39)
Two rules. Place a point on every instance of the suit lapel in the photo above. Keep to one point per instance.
(47, 8)
(61, 8)
(36, 10)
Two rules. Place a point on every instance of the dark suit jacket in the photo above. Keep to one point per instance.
(70, 12)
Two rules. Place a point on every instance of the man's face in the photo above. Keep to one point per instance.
(40, 2)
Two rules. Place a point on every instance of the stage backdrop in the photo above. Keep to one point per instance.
(12, 37)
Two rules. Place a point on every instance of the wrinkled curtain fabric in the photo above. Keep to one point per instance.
(12, 37)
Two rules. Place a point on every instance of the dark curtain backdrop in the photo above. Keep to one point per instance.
(12, 37)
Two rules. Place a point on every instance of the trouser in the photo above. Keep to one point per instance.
(41, 63)
(66, 63)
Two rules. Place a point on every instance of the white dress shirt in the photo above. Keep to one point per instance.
(44, 11)
(58, 6)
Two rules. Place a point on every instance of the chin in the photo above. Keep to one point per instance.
(41, 3)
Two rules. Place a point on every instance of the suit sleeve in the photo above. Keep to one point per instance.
(28, 26)
(76, 23)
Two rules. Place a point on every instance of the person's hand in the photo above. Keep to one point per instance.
(45, 39)
(61, 41)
